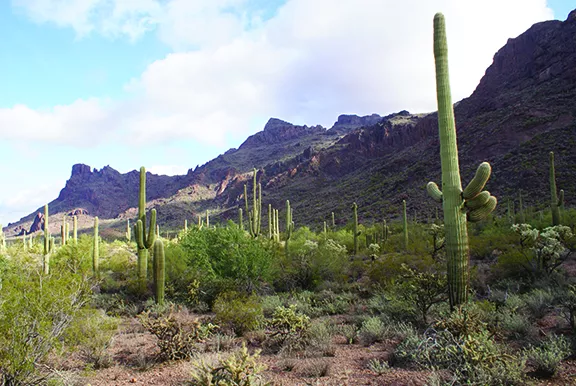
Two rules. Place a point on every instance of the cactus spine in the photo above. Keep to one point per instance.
(289, 227)
(96, 251)
(355, 229)
(455, 202)
(555, 201)
(405, 222)
(159, 271)
(144, 241)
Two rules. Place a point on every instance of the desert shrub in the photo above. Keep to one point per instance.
(390, 304)
(373, 330)
(239, 312)
(178, 336)
(91, 332)
(311, 262)
(547, 356)
(288, 329)
(565, 299)
(270, 303)
(239, 369)
(319, 338)
(314, 368)
(516, 325)
(228, 258)
(220, 342)
(378, 366)
(31, 325)
(348, 331)
(423, 289)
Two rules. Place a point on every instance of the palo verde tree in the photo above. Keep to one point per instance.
(459, 206)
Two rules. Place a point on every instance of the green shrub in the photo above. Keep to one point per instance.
(91, 332)
(373, 330)
(546, 358)
(178, 335)
(31, 325)
(239, 312)
(239, 369)
(539, 302)
(378, 366)
(288, 329)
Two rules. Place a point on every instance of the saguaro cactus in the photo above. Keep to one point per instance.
(459, 205)
(556, 202)
(144, 241)
(48, 243)
(355, 229)
(159, 271)
(522, 216)
(75, 229)
(128, 233)
(333, 221)
(240, 219)
(254, 215)
(96, 251)
(405, 223)
(289, 227)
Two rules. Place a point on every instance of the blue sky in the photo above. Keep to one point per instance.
(170, 84)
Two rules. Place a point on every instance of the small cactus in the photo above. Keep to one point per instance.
(556, 202)
(75, 229)
(48, 243)
(405, 222)
(289, 227)
(355, 230)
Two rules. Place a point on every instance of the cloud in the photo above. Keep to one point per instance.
(312, 61)
(110, 18)
(168, 170)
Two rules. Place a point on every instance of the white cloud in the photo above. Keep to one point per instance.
(112, 18)
(311, 62)
(168, 170)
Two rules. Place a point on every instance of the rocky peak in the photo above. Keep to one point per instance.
(347, 122)
(278, 131)
(80, 169)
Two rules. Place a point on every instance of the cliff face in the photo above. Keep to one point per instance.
(524, 107)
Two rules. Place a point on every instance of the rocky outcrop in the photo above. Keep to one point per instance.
(278, 131)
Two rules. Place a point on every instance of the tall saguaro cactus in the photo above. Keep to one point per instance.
(254, 215)
(355, 229)
(48, 243)
(459, 205)
(556, 202)
(144, 241)
(289, 227)
(75, 229)
(159, 271)
(96, 251)
(405, 223)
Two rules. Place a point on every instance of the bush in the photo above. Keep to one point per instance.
(239, 312)
(547, 357)
(92, 332)
(288, 329)
(177, 335)
(372, 330)
(240, 369)
(32, 325)
(539, 302)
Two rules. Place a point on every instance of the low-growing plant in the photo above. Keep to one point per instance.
(373, 330)
(547, 356)
(178, 336)
(315, 368)
(238, 312)
(288, 329)
(349, 331)
(378, 366)
(239, 369)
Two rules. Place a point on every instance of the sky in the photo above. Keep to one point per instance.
(171, 84)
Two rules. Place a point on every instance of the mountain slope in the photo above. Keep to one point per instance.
(524, 107)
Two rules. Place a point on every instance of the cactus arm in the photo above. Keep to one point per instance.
(481, 212)
(151, 230)
(434, 191)
(478, 182)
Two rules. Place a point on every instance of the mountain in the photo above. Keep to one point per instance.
(523, 108)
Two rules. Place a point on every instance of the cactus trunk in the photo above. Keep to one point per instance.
(355, 229)
(96, 251)
(405, 222)
(554, 204)
(47, 243)
(75, 229)
(159, 271)
(144, 240)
